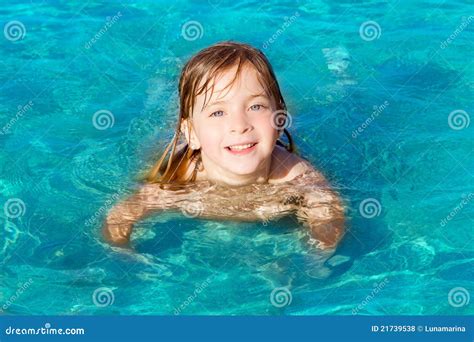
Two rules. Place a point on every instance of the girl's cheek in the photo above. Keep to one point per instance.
(208, 131)
(264, 124)
(265, 120)
(210, 140)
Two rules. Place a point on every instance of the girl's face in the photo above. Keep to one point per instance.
(234, 130)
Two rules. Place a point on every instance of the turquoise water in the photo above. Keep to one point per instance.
(59, 173)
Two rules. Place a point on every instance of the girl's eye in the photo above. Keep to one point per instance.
(256, 107)
(217, 113)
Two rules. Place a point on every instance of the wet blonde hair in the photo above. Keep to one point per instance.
(197, 76)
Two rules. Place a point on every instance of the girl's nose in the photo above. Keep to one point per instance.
(239, 124)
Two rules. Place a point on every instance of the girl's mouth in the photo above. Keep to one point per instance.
(241, 149)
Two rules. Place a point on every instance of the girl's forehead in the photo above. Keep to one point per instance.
(244, 80)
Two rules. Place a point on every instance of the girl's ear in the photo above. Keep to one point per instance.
(189, 134)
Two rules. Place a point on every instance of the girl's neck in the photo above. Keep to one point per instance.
(220, 176)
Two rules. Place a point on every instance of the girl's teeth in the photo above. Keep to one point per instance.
(240, 147)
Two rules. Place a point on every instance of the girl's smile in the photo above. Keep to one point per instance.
(242, 149)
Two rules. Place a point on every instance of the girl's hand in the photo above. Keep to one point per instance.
(327, 233)
(322, 212)
(117, 233)
(118, 226)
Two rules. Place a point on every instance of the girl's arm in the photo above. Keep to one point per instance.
(118, 225)
(323, 213)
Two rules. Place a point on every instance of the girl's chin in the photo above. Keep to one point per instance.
(242, 171)
(245, 166)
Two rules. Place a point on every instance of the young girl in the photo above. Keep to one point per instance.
(226, 159)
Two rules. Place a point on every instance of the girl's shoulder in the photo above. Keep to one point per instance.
(286, 166)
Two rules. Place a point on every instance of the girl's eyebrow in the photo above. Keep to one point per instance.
(210, 104)
(214, 103)
(259, 95)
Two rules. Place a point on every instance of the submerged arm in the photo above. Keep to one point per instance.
(118, 225)
(323, 213)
